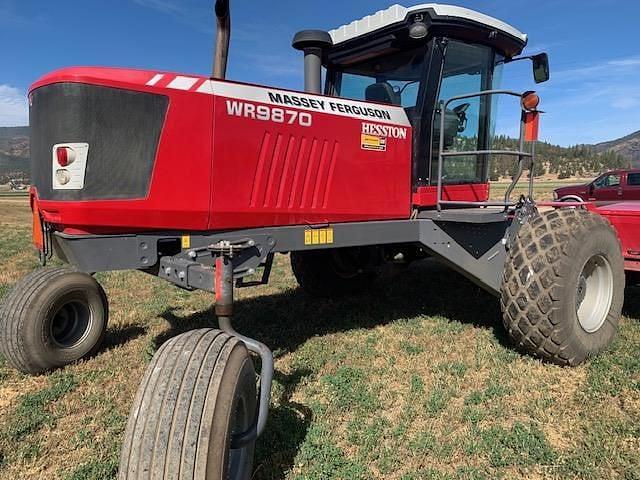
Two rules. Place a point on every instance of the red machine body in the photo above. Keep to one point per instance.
(261, 165)
(229, 156)
(625, 218)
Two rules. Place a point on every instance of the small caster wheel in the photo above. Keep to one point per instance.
(52, 318)
(198, 391)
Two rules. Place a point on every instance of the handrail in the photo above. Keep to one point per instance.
(520, 153)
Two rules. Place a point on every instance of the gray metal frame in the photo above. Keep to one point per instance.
(193, 268)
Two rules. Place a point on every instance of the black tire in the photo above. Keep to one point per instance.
(199, 389)
(333, 273)
(52, 318)
(562, 259)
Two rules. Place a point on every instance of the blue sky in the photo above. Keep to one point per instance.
(594, 94)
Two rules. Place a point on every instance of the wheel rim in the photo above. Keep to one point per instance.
(71, 324)
(239, 424)
(594, 293)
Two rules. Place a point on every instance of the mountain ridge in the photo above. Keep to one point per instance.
(627, 146)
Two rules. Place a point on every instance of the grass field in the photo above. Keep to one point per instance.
(543, 189)
(413, 380)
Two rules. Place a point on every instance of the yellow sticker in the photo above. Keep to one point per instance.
(321, 236)
(373, 142)
(329, 236)
(186, 241)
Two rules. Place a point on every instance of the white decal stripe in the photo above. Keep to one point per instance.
(155, 79)
(182, 83)
(206, 87)
(324, 104)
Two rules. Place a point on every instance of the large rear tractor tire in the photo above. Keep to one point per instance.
(335, 272)
(52, 318)
(199, 390)
(563, 286)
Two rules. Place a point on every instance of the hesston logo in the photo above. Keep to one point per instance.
(384, 130)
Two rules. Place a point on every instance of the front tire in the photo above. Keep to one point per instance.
(199, 390)
(52, 318)
(563, 286)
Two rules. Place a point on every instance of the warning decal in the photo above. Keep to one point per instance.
(374, 142)
(323, 236)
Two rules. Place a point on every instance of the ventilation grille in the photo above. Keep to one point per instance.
(293, 172)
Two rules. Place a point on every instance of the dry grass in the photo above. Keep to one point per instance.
(413, 380)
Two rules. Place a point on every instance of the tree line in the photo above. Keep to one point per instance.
(565, 162)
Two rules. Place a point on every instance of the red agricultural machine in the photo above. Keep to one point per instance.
(201, 181)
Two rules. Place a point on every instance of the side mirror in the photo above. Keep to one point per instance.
(540, 67)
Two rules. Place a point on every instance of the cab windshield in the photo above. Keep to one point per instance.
(392, 79)
(418, 79)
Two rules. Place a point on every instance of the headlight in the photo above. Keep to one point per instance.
(555, 196)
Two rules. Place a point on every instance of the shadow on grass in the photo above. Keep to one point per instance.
(631, 306)
(284, 321)
(119, 336)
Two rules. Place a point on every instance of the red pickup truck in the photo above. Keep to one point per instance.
(612, 186)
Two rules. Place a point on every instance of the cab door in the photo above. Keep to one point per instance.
(631, 190)
(608, 188)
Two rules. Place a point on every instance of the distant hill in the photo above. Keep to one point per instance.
(14, 153)
(628, 147)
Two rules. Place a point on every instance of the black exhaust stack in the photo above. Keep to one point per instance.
(312, 43)
(223, 36)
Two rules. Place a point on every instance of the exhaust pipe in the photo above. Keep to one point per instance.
(312, 43)
(223, 36)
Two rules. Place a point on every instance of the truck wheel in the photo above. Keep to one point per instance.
(563, 286)
(199, 389)
(52, 318)
(331, 273)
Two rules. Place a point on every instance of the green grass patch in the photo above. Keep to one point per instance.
(14, 239)
(521, 445)
(4, 374)
(99, 470)
(34, 409)
(321, 459)
(350, 388)
(618, 369)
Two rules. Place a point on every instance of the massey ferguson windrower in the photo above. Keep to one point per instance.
(201, 181)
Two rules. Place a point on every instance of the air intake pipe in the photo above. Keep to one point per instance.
(312, 43)
(223, 36)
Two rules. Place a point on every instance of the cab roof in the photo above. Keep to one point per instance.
(435, 15)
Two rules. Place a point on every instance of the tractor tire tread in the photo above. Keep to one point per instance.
(166, 433)
(13, 317)
(532, 280)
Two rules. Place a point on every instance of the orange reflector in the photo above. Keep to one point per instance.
(38, 234)
(531, 126)
(530, 101)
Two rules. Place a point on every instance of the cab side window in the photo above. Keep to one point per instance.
(612, 180)
(633, 179)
